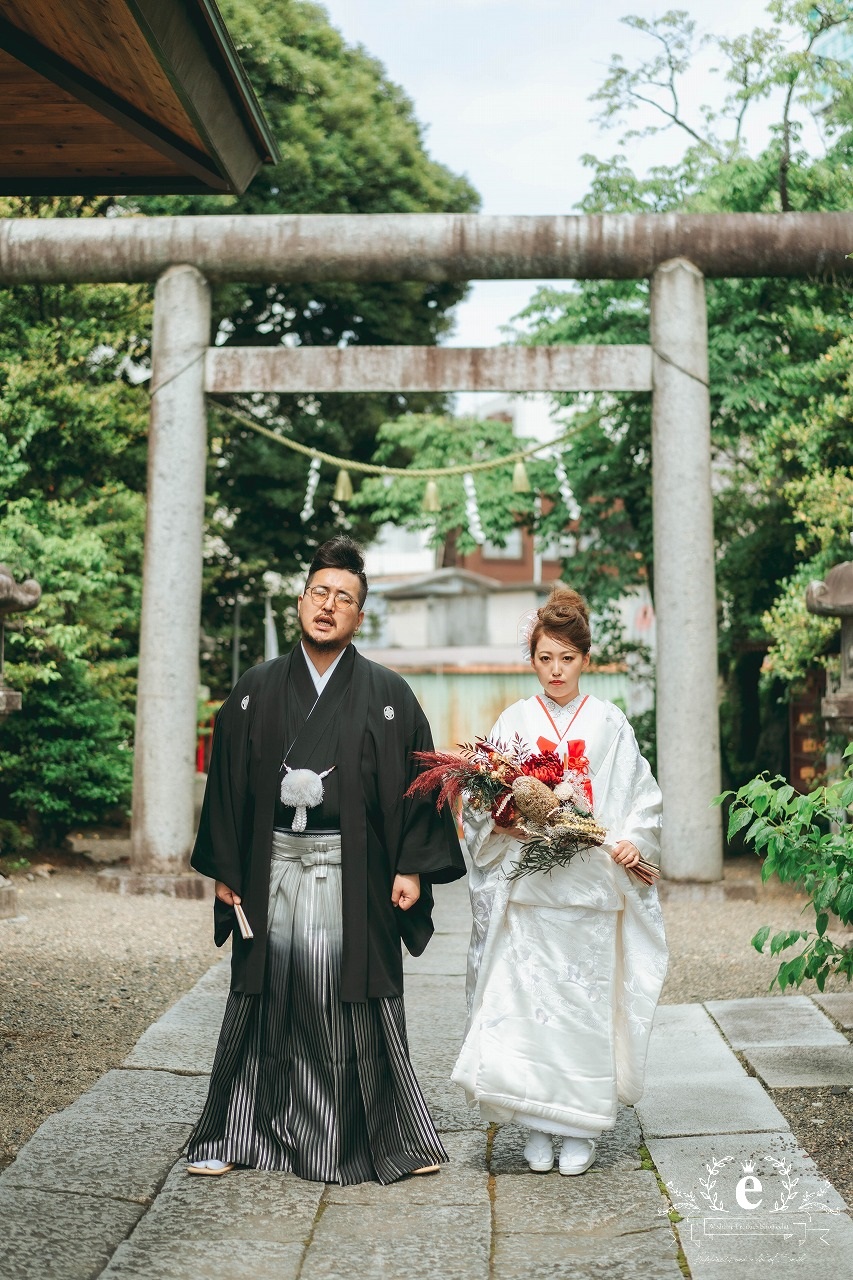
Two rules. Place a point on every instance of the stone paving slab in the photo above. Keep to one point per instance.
(127, 1161)
(452, 912)
(449, 1110)
(784, 1020)
(462, 1182)
(648, 1255)
(802, 1067)
(702, 1107)
(450, 959)
(184, 1039)
(786, 1233)
(839, 1005)
(151, 1097)
(682, 1020)
(428, 1242)
(676, 1056)
(601, 1203)
(119, 1139)
(48, 1235)
(195, 1260)
(142, 1097)
(249, 1204)
(616, 1150)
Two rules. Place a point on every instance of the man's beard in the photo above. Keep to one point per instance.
(332, 645)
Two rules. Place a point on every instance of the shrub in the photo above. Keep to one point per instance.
(807, 841)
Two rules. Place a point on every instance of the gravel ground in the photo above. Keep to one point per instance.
(87, 972)
(709, 941)
(80, 980)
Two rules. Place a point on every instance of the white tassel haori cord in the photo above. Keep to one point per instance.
(303, 789)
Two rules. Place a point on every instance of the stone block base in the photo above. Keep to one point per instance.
(8, 901)
(97, 848)
(180, 885)
(10, 700)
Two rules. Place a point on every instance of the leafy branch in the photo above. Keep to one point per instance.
(805, 840)
(624, 89)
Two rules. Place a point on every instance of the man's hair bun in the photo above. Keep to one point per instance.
(340, 552)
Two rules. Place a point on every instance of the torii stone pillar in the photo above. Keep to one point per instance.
(684, 586)
(166, 714)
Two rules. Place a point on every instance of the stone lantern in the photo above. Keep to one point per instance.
(15, 597)
(834, 598)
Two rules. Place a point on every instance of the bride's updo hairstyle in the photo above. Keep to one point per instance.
(565, 616)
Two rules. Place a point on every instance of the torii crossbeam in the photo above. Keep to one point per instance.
(675, 251)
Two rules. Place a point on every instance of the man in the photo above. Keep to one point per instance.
(305, 827)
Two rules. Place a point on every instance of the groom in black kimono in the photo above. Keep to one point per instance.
(312, 1073)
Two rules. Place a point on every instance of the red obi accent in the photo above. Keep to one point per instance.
(573, 759)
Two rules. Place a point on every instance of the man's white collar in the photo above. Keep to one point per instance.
(320, 681)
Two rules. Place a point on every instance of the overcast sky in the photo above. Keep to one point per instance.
(502, 88)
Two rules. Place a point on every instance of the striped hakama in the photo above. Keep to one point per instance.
(301, 1081)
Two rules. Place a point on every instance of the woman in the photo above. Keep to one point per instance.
(565, 967)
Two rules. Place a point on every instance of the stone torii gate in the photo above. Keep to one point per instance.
(674, 251)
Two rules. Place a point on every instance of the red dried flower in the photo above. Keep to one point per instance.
(505, 810)
(547, 767)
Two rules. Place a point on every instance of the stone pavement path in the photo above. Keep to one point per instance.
(100, 1190)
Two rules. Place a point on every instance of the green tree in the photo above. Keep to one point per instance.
(779, 357)
(73, 414)
(73, 422)
(804, 841)
(350, 143)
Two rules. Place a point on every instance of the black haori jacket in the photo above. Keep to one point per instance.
(382, 833)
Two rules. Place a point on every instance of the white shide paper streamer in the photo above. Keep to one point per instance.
(472, 511)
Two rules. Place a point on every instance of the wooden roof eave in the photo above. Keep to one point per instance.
(213, 137)
(206, 74)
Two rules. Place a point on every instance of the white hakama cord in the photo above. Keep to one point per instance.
(303, 1082)
(564, 969)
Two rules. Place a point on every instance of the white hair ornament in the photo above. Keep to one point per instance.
(526, 623)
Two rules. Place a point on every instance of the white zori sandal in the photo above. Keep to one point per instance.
(210, 1168)
(539, 1152)
(576, 1156)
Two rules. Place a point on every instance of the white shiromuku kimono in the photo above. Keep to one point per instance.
(565, 968)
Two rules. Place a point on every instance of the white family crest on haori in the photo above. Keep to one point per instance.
(244, 704)
(303, 789)
(389, 713)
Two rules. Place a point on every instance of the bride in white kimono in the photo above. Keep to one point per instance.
(565, 968)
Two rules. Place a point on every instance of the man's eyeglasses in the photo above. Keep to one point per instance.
(339, 599)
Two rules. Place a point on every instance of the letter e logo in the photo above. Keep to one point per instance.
(749, 1183)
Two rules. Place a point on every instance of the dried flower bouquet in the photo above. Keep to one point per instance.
(534, 793)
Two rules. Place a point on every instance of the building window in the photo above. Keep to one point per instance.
(512, 551)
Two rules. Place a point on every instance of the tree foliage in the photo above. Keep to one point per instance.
(73, 415)
(437, 441)
(72, 473)
(350, 143)
(804, 841)
(779, 356)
